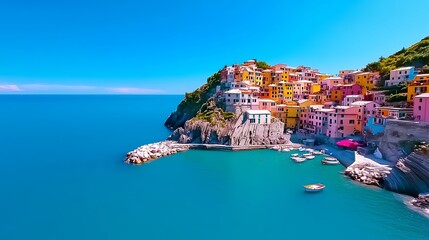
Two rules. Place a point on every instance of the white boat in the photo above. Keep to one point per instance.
(307, 154)
(294, 155)
(330, 161)
(309, 150)
(314, 187)
(317, 152)
(298, 159)
(309, 157)
(301, 149)
(286, 150)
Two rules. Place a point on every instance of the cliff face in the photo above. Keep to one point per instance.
(234, 132)
(192, 103)
(404, 145)
(399, 138)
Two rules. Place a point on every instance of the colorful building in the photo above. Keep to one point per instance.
(419, 85)
(342, 122)
(400, 75)
(421, 107)
(238, 101)
(348, 100)
(367, 80)
(340, 91)
(366, 109)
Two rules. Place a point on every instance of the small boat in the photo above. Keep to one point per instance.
(298, 159)
(309, 150)
(286, 150)
(314, 187)
(330, 161)
(301, 149)
(306, 154)
(294, 154)
(317, 152)
(309, 157)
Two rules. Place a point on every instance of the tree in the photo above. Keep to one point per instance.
(263, 65)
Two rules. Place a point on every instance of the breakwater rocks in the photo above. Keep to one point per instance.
(366, 171)
(422, 201)
(153, 151)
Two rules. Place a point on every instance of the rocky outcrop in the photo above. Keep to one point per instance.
(399, 138)
(153, 151)
(367, 171)
(191, 104)
(236, 133)
(410, 175)
(422, 201)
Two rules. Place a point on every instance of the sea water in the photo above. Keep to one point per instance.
(62, 176)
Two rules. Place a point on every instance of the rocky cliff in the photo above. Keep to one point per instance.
(193, 102)
(235, 132)
(404, 144)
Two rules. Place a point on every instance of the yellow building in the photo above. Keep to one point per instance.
(285, 77)
(266, 77)
(292, 116)
(419, 85)
(315, 88)
(273, 92)
(285, 92)
(367, 80)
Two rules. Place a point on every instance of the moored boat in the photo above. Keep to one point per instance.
(294, 155)
(301, 149)
(298, 159)
(330, 161)
(317, 152)
(309, 157)
(306, 154)
(314, 187)
(286, 150)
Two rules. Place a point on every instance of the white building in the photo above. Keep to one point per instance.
(349, 99)
(400, 75)
(237, 100)
(258, 116)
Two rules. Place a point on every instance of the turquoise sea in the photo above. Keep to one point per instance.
(62, 177)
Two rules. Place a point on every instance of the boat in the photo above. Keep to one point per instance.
(294, 155)
(330, 161)
(298, 159)
(307, 154)
(301, 149)
(317, 152)
(286, 150)
(309, 157)
(314, 187)
(309, 150)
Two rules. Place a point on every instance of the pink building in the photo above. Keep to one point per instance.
(267, 104)
(366, 109)
(342, 122)
(421, 107)
(351, 89)
(317, 122)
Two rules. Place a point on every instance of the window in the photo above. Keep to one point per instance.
(420, 99)
(252, 120)
(420, 108)
(351, 121)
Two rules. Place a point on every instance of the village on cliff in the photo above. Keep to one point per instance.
(308, 101)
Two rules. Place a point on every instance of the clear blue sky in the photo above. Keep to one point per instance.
(87, 46)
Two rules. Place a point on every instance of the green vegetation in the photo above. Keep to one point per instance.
(194, 100)
(416, 55)
(263, 65)
(214, 114)
(400, 97)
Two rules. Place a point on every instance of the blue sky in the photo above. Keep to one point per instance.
(169, 47)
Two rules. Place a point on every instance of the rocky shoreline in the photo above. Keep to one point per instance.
(366, 171)
(154, 151)
(422, 201)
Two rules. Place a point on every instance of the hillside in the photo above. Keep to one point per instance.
(192, 103)
(416, 55)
